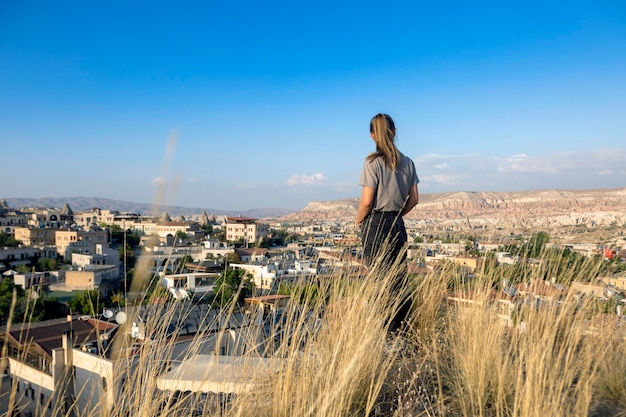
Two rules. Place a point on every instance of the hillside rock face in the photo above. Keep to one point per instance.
(524, 209)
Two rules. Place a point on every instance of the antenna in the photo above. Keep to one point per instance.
(107, 313)
(120, 317)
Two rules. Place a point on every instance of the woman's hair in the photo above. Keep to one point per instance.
(383, 130)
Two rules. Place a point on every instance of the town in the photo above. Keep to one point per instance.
(83, 294)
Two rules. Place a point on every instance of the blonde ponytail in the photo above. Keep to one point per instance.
(383, 131)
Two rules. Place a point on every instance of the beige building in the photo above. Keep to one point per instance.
(79, 241)
(94, 216)
(38, 279)
(24, 255)
(33, 236)
(10, 219)
(166, 230)
(617, 281)
(103, 255)
(471, 263)
(91, 278)
(50, 217)
(597, 289)
(110, 217)
(245, 228)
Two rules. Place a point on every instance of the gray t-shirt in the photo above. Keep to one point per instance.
(391, 188)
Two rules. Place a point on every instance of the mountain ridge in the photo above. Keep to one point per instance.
(469, 209)
(457, 210)
(87, 203)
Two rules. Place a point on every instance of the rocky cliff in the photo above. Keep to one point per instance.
(459, 210)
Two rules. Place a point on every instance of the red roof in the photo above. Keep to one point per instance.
(48, 335)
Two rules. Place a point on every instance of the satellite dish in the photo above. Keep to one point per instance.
(120, 317)
(107, 313)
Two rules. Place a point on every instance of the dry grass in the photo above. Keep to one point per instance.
(338, 360)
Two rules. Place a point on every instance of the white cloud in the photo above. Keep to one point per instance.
(605, 172)
(308, 180)
(442, 179)
(159, 181)
(597, 168)
(523, 164)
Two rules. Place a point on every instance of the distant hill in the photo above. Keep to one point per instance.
(469, 209)
(455, 210)
(87, 203)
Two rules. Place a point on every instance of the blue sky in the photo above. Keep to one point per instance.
(237, 105)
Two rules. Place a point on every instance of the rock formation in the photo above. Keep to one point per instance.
(523, 209)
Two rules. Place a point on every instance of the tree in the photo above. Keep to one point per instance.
(232, 285)
(118, 299)
(22, 269)
(47, 264)
(119, 235)
(532, 248)
(47, 308)
(127, 255)
(232, 258)
(181, 236)
(8, 241)
(307, 293)
(133, 238)
(182, 263)
(7, 287)
(537, 242)
(219, 235)
(86, 302)
(265, 243)
(116, 232)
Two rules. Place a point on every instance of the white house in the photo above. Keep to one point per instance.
(198, 283)
(262, 275)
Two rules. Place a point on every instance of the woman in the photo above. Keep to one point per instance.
(389, 192)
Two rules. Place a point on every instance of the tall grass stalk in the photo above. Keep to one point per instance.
(338, 368)
(336, 358)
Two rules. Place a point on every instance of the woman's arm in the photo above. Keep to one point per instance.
(365, 205)
(411, 201)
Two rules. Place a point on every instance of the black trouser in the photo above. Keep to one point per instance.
(384, 238)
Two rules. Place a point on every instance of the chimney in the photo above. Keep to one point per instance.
(64, 386)
(68, 346)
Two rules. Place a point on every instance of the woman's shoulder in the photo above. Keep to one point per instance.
(373, 159)
(405, 159)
